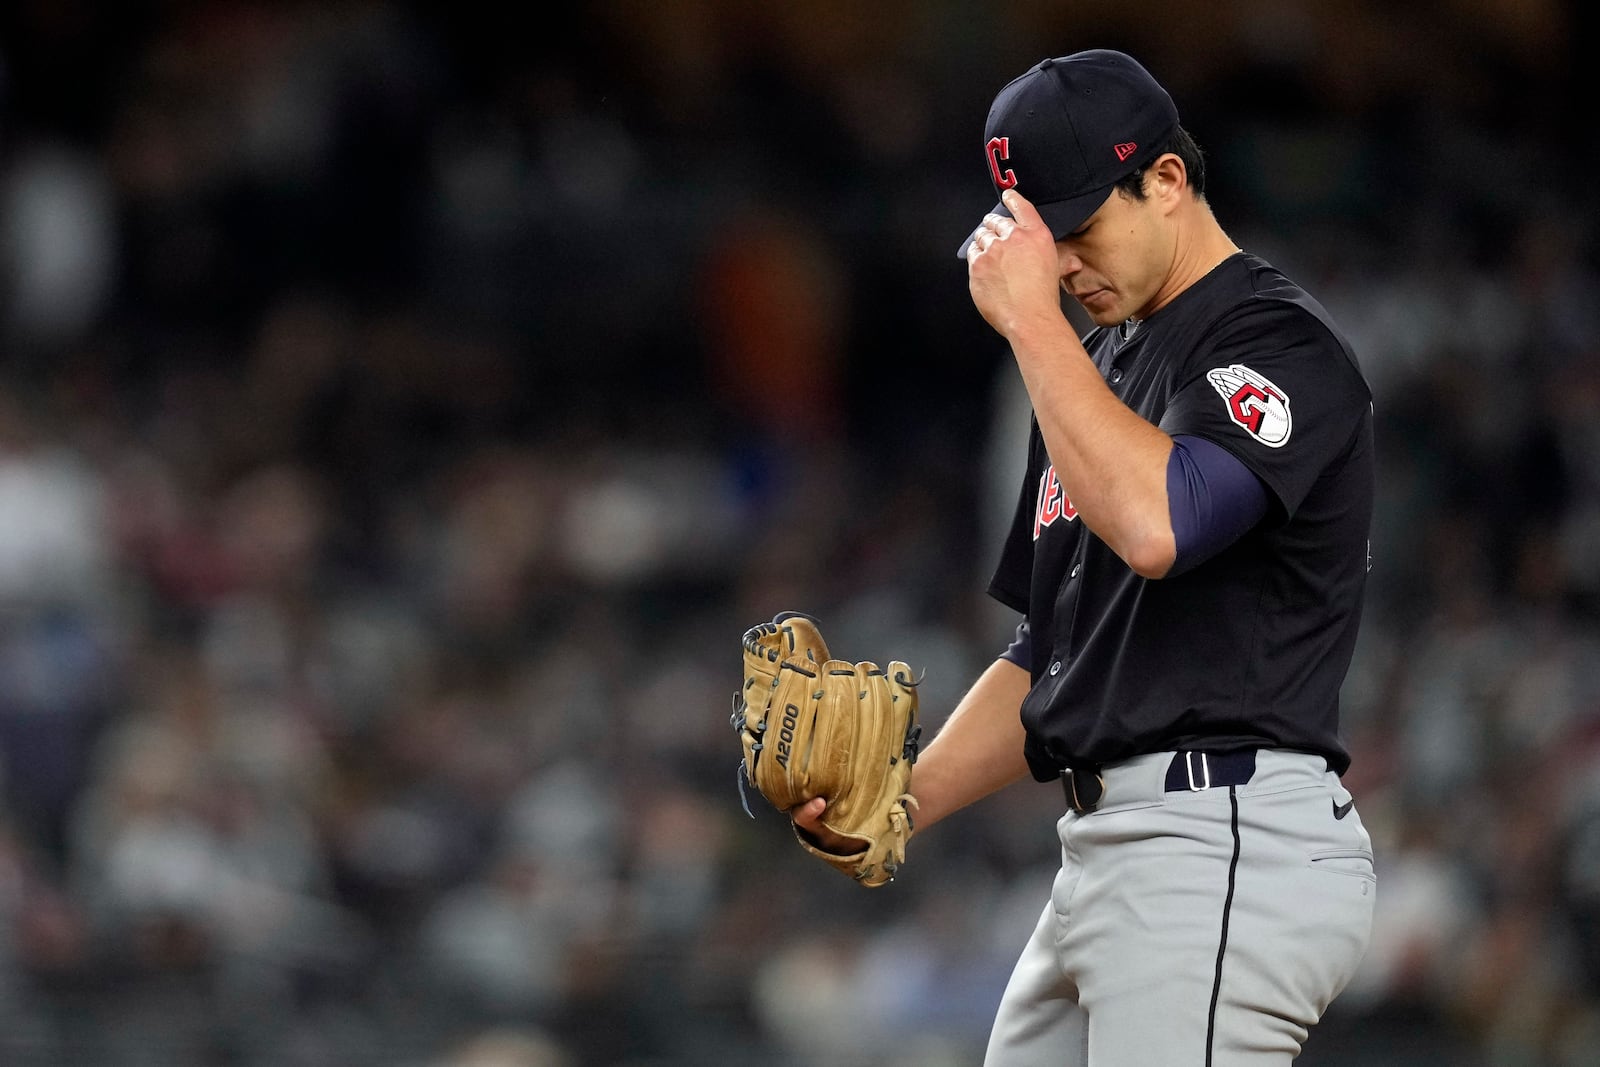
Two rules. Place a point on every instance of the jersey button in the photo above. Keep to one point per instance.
(1055, 668)
(1076, 567)
(1116, 375)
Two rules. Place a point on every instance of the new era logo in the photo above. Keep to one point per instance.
(1125, 149)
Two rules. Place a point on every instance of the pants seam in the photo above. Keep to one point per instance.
(1227, 911)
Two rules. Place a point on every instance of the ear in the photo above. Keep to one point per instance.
(1167, 180)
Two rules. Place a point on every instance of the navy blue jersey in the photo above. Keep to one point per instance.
(1250, 648)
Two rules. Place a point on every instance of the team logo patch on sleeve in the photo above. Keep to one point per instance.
(1254, 403)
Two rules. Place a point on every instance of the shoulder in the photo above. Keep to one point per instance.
(1265, 314)
(1274, 291)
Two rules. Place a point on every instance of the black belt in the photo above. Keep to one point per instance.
(1189, 769)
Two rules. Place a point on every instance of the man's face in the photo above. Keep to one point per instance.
(1115, 263)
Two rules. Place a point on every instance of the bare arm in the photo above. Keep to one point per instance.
(1111, 462)
(979, 748)
(977, 751)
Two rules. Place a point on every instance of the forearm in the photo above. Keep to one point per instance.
(979, 748)
(1111, 463)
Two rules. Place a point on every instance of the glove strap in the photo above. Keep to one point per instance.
(744, 799)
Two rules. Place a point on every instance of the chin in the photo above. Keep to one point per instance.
(1102, 307)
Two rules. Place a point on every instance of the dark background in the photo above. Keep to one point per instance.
(405, 407)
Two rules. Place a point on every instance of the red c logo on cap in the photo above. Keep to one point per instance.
(997, 149)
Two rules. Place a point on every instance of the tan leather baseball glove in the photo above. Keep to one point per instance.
(814, 726)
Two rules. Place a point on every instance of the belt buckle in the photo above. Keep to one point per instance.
(1091, 793)
(1205, 771)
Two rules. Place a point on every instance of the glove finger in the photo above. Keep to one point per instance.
(834, 736)
(765, 646)
(789, 634)
(784, 774)
(800, 636)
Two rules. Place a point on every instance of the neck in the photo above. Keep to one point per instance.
(1200, 245)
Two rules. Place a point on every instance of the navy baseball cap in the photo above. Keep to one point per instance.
(1063, 133)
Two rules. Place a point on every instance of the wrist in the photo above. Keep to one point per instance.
(1042, 333)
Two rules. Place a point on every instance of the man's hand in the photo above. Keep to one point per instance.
(808, 818)
(1013, 269)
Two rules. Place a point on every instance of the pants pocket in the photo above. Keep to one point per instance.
(1354, 862)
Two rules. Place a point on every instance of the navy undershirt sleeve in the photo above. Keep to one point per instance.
(1212, 498)
(1020, 650)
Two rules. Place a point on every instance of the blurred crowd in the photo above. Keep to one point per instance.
(404, 409)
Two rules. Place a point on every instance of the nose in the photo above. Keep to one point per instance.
(1068, 260)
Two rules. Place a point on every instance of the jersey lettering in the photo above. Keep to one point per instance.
(997, 149)
(1052, 503)
(1254, 403)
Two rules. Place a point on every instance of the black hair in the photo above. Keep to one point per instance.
(1182, 145)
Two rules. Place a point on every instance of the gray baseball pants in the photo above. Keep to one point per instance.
(1201, 927)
